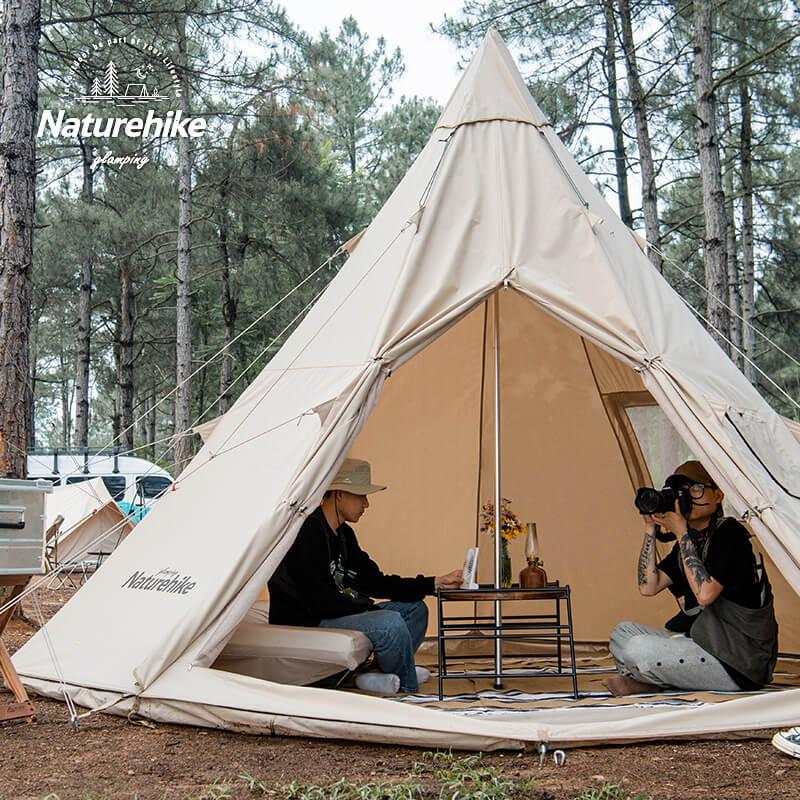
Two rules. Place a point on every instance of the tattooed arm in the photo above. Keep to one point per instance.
(650, 579)
(705, 588)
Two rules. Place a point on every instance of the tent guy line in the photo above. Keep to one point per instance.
(339, 250)
(719, 300)
(741, 352)
(302, 350)
(51, 576)
(72, 711)
(243, 372)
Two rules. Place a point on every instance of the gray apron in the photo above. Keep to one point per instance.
(745, 639)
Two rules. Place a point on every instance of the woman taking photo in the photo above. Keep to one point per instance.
(725, 638)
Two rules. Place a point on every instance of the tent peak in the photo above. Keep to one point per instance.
(491, 88)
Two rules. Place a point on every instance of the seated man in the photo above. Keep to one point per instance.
(725, 636)
(327, 580)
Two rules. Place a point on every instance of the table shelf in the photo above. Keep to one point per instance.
(542, 629)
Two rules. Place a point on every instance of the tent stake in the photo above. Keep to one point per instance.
(498, 497)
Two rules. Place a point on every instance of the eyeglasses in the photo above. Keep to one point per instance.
(696, 489)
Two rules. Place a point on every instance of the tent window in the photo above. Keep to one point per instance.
(650, 445)
(661, 446)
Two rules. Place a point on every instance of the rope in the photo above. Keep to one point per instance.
(75, 559)
(32, 589)
(738, 350)
(749, 324)
(71, 710)
(208, 361)
(261, 353)
(316, 333)
(674, 263)
(52, 575)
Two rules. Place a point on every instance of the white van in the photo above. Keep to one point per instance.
(127, 478)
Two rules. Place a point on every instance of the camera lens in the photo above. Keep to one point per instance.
(647, 500)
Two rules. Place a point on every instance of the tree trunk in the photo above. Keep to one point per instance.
(141, 414)
(716, 260)
(227, 301)
(83, 340)
(125, 382)
(32, 405)
(202, 331)
(620, 162)
(730, 237)
(18, 107)
(183, 338)
(116, 426)
(226, 368)
(66, 394)
(748, 275)
(151, 423)
(647, 168)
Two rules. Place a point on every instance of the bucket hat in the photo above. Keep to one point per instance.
(355, 476)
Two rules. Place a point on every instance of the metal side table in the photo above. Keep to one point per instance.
(548, 628)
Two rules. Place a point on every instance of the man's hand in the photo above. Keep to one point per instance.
(673, 521)
(452, 580)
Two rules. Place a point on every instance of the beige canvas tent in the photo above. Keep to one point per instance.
(391, 363)
(92, 522)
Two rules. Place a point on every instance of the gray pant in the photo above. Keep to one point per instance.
(658, 656)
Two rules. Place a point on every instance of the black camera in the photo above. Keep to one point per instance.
(658, 501)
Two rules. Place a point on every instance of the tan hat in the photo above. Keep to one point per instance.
(354, 476)
(695, 471)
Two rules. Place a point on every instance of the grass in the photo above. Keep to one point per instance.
(438, 776)
(609, 791)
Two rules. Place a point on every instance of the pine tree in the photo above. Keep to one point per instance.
(21, 28)
(111, 82)
(97, 89)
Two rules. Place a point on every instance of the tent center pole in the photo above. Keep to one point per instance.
(498, 497)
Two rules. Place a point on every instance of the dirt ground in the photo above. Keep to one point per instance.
(110, 757)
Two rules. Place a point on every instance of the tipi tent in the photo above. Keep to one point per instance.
(92, 521)
(390, 363)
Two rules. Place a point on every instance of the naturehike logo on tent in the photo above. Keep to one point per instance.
(165, 580)
(122, 72)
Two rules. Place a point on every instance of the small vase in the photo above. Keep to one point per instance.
(505, 565)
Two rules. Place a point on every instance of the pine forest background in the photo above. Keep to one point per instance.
(684, 113)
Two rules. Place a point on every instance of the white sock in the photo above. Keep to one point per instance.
(378, 682)
(423, 675)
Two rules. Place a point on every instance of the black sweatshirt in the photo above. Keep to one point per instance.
(326, 574)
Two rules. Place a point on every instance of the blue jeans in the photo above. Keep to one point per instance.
(396, 630)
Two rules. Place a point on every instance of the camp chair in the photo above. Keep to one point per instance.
(66, 573)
